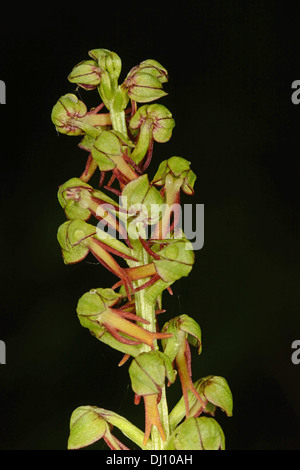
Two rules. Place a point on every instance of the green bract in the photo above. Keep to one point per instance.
(135, 233)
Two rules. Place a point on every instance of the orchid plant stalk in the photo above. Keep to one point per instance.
(131, 225)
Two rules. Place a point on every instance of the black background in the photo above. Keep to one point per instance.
(231, 65)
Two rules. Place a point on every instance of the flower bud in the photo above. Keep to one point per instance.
(72, 236)
(70, 116)
(107, 146)
(86, 74)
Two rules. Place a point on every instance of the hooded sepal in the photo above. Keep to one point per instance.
(73, 196)
(184, 330)
(87, 426)
(86, 74)
(113, 96)
(97, 312)
(80, 200)
(70, 116)
(144, 82)
(77, 238)
(179, 169)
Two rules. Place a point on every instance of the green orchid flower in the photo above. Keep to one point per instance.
(70, 116)
(144, 82)
(184, 330)
(148, 372)
(155, 123)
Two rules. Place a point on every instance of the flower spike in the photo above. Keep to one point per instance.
(96, 310)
